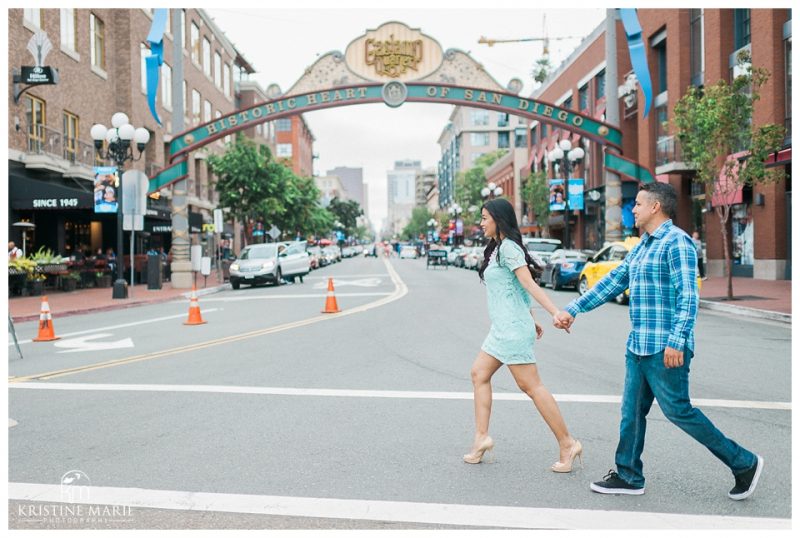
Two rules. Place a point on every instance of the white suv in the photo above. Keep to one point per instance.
(540, 248)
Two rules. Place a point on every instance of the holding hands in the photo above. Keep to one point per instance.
(563, 320)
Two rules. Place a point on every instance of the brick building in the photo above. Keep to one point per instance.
(685, 47)
(294, 145)
(99, 54)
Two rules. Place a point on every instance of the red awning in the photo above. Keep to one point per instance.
(780, 158)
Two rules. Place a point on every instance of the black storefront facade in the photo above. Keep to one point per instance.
(62, 210)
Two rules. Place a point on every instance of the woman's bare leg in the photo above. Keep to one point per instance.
(482, 371)
(527, 378)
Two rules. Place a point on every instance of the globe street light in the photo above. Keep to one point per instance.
(431, 229)
(566, 157)
(491, 191)
(119, 150)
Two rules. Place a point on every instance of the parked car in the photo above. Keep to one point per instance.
(371, 250)
(452, 252)
(563, 268)
(408, 251)
(269, 263)
(541, 248)
(332, 253)
(315, 257)
(474, 258)
(461, 255)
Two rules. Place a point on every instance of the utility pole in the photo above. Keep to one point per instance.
(613, 183)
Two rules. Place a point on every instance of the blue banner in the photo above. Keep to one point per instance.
(633, 31)
(156, 58)
(106, 185)
(557, 198)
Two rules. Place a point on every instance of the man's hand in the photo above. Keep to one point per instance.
(563, 320)
(673, 358)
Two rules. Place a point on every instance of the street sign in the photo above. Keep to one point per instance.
(134, 199)
(274, 232)
(218, 220)
(196, 255)
(209, 227)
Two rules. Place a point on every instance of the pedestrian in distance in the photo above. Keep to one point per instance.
(508, 272)
(14, 252)
(698, 245)
(661, 273)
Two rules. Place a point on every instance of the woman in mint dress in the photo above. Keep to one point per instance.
(508, 272)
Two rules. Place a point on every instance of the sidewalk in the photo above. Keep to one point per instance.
(99, 299)
(766, 299)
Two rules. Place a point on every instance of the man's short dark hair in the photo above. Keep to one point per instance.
(665, 194)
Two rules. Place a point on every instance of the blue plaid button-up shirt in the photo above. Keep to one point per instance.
(661, 272)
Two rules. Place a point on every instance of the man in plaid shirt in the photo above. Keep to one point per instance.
(661, 272)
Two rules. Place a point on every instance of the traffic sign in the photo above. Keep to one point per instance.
(274, 232)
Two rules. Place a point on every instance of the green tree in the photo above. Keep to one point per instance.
(418, 224)
(536, 193)
(251, 185)
(468, 186)
(304, 215)
(718, 137)
(346, 212)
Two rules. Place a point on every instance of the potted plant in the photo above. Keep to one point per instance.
(103, 279)
(69, 282)
(48, 261)
(36, 283)
(20, 271)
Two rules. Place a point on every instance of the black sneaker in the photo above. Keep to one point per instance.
(614, 485)
(746, 482)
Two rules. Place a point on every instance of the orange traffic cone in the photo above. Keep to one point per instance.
(194, 311)
(45, 324)
(330, 302)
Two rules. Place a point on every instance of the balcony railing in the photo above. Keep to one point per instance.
(65, 153)
(669, 156)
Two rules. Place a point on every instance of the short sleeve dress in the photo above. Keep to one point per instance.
(513, 331)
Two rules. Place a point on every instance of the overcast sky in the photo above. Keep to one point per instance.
(281, 43)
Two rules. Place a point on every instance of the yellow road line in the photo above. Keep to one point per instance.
(400, 290)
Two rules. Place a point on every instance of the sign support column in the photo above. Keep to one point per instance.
(181, 262)
(613, 183)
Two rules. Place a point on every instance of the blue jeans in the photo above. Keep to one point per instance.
(646, 377)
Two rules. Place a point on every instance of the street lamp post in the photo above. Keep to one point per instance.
(455, 211)
(432, 229)
(119, 150)
(566, 156)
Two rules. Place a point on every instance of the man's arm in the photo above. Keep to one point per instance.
(609, 287)
(682, 263)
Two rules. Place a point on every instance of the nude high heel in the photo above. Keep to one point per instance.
(575, 452)
(475, 457)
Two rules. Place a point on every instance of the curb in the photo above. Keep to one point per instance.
(65, 313)
(747, 312)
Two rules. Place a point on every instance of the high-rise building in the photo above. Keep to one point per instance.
(401, 194)
(353, 183)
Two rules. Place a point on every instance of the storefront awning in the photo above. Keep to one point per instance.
(32, 194)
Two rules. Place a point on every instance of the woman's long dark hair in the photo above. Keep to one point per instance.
(504, 217)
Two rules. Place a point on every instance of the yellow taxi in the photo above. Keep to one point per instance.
(606, 260)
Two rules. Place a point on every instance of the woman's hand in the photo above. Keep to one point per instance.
(539, 331)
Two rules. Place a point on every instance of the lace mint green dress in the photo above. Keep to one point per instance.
(513, 331)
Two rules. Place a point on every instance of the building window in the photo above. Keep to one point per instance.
(534, 135)
(35, 115)
(226, 79)
(68, 27)
(479, 117)
(600, 85)
(182, 22)
(475, 157)
(660, 50)
(207, 57)
(217, 70)
(70, 136)
(194, 43)
(97, 37)
(206, 111)
(696, 45)
(283, 150)
(185, 99)
(166, 86)
(583, 98)
(741, 28)
(195, 107)
(33, 16)
(567, 104)
(520, 137)
(502, 119)
(661, 128)
(144, 52)
(283, 125)
(479, 139)
(502, 139)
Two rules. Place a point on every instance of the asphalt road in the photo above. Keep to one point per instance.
(273, 415)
